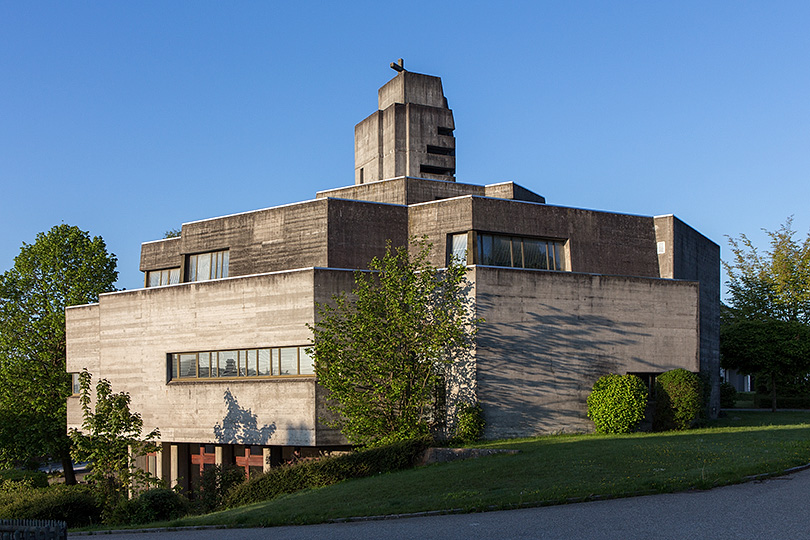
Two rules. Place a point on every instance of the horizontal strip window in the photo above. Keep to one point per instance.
(448, 132)
(430, 169)
(242, 363)
(205, 266)
(520, 252)
(441, 150)
(159, 278)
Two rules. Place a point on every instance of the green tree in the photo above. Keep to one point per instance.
(770, 285)
(771, 347)
(764, 328)
(111, 439)
(383, 352)
(63, 267)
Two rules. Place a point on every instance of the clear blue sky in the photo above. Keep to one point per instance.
(130, 118)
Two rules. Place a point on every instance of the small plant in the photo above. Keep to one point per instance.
(470, 423)
(728, 395)
(678, 399)
(617, 403)
(111, 439)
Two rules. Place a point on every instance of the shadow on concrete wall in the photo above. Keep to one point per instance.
(536, 367)
(240, 426)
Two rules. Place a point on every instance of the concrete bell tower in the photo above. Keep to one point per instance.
(410, 135)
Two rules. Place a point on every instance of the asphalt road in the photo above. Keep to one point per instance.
(773, 509)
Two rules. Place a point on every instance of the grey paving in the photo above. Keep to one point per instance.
(775, 509)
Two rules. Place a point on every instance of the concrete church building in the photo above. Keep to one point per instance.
(212, 349)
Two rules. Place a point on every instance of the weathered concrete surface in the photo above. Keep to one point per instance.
(126, 338)
(549, 335)
(410, 135)
(684, 253)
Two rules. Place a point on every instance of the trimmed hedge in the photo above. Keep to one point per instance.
(678, 399)
(617, 403)
(76, 505)
(324, 472)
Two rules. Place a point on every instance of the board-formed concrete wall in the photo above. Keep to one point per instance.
(127, 336)
(549, 335)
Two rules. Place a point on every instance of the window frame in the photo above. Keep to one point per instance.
(555, 251)
(251, 355)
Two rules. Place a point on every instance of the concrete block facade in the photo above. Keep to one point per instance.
(212, 349)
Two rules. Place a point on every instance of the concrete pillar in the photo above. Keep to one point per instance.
(179, 475)
(223, 455)
(266, 457)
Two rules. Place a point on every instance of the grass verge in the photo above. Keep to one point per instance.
(553, 470)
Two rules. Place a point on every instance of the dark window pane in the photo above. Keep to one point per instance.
(485, 249)
(533, 254)
(501, 251)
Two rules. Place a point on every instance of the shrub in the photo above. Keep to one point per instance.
(470, 426)
(678, 399)
(76, 505)
(36, 479)
(327, 471)
(617, 403)
(215, 484)
(728, 395)
(158, 504)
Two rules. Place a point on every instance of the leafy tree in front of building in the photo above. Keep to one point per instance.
(764, 329)
(65, 266)
(111, 439)
(384, 350)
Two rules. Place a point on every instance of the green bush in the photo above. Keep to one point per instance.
(617, 403)
(728, 395)
(324, 472)
(36, 478)
(678, 399)
(215, 484)
(470, 426)
(76, 505)
(158, 504)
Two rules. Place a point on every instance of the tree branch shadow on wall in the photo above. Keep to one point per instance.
(536, 366)
(241, 426)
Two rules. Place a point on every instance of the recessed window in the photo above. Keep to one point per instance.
(445, 131)
(441, 150)
(431, 169)
(520, 252)
(458, 248)
(159, 278)
(242, 363)
(205, 266)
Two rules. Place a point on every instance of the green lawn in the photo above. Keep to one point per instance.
(554, 470)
